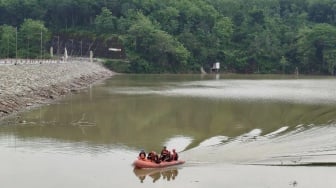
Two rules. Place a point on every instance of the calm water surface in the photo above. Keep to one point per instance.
(233, 131)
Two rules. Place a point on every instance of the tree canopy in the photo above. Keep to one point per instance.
(255, 36)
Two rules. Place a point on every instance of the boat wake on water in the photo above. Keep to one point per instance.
(252, 122)
(302, 146)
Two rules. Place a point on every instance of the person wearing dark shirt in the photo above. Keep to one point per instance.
(152, 156)
(165, 156)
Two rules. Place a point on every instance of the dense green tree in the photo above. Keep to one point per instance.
(322, 12)
(159, 51)
(283, 63)
(33, 36)
(316, 46)
(183, 35)
(105, 22)
(65, 14)
(15, 11)
(7, 41)
(168, 19)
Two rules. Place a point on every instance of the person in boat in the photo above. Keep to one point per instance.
(174, 155)
(152, 156)
(142, 155)
(165, 156)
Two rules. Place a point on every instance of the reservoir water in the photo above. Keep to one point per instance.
(233, 131)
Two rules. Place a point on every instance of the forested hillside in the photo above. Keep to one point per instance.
(246, 36)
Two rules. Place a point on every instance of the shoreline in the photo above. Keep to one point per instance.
(26, 86)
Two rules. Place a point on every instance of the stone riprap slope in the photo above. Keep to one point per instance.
(23, 85)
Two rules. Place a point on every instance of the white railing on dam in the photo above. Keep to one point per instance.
(42, 61)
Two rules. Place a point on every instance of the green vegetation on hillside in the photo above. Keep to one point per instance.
(254, 36)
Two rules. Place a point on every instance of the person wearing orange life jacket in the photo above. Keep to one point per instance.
(165, 156)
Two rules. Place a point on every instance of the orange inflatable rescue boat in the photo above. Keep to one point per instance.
(149, 164)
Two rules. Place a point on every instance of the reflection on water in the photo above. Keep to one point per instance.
(165, 174)
(307, 91)
(242, 119)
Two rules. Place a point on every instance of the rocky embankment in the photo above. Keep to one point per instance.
(26, 85)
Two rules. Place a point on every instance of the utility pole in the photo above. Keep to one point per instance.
(58, 46)
(81, 48)
(7, 46)
(28, 48)
(16, 36)
(41, 43)
(72, 40)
